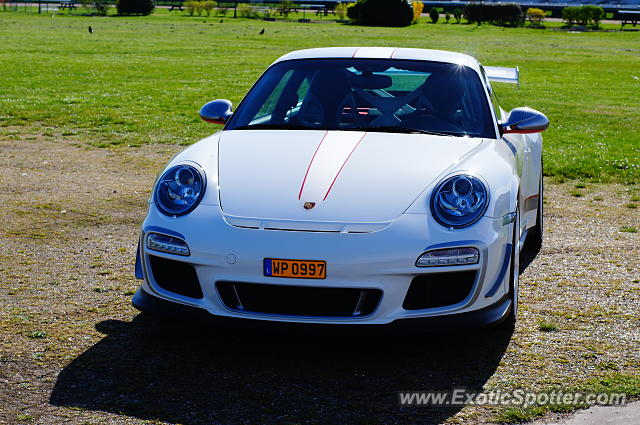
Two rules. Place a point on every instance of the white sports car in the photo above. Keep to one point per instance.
(351, 186)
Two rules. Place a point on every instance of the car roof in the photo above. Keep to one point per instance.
(383, 53)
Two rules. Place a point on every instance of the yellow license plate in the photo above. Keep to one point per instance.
(301, 269)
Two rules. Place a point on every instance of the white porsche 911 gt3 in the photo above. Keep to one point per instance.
(351, 186)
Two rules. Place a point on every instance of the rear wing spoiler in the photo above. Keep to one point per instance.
(500, 74)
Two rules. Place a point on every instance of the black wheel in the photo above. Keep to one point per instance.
(514, 274)
(536, 234)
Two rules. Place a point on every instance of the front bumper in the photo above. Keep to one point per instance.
(382, 260)
(491, 315)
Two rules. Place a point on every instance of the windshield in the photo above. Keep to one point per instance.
(367, 94)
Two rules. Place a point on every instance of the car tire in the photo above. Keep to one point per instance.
(514, 275)
(536, 234)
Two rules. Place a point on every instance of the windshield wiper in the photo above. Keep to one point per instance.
(381, 128)
(275, 127)
(398, 129)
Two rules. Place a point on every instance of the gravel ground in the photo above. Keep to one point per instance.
(73, 350)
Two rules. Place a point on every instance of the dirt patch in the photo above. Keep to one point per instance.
(73, 350)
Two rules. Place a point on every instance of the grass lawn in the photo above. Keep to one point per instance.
(139, 80)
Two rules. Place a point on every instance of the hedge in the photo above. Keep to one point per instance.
(383, 13)
(135, 7)
(583, 15)
(500, 14)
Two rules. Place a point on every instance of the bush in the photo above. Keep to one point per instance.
(286, 6)
(353, 10)
(506, 14)
(96, 7)
(583, 15)
(244, 10)
(473, 13)
(267, 13)
(457, 14)
(135, 7)
(569, 15)
(597, 15)
(434, 15)
(341, 10)
(383, 13)
(208, 6)
(192, 6)
(496, 13)
(417, 6)
(221, 11)
(189, 7)
(591, 15)
(535, 16)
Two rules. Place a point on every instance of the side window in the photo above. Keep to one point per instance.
(271, 101)
(492, 96)
(496, 105)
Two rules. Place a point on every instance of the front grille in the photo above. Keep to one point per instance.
(438, 290)
(298, 300)
(175, 276)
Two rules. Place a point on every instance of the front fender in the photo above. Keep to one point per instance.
(496, 163)
(205, 154)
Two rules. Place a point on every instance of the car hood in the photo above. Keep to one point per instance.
(332, 176)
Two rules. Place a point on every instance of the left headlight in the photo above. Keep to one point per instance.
(180, 189)
(459, 201)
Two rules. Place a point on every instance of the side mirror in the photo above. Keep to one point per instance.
(524, 120)
(217, 111)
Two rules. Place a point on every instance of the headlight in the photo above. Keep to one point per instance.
(459, 201)
(179, 189)
(166, 243)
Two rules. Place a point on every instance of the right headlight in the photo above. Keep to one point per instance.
(459, 201)
(179, 190)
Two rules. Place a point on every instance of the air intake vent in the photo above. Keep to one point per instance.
(298, 300)
(175, 276)
(438, 290)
